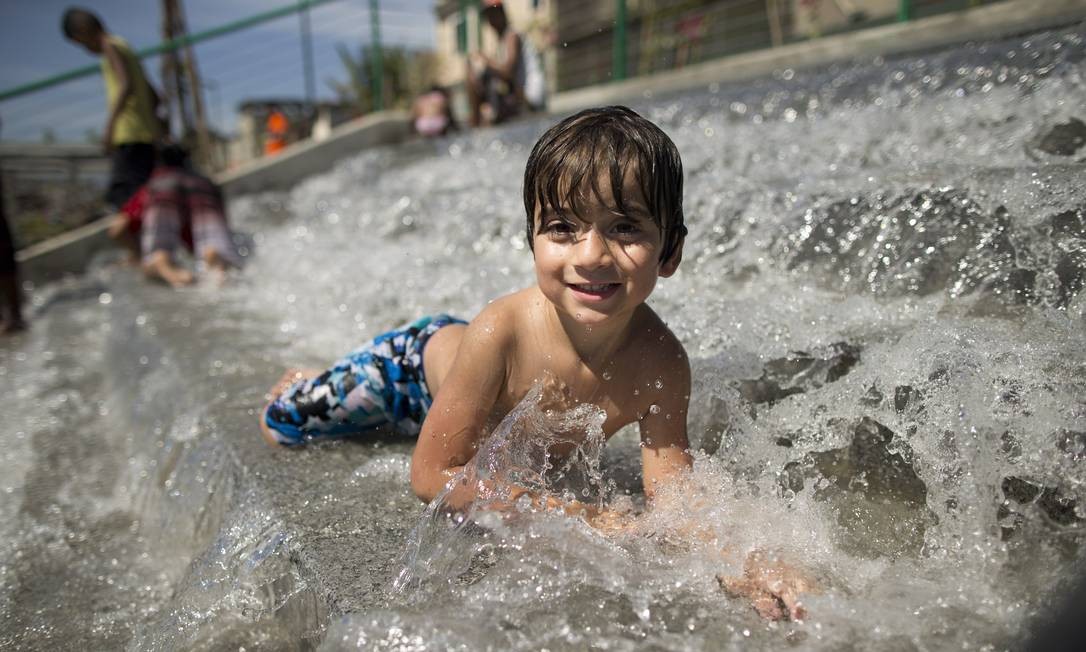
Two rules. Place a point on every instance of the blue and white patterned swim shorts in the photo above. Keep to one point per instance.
(382, 383)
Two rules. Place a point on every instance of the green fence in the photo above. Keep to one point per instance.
(373, 61)
(610, 40)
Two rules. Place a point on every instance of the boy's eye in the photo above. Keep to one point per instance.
(626, 229)
(558, 227)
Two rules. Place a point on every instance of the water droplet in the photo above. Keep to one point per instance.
(607, 375)
(655, 409)
(659, 384)
(105, 298)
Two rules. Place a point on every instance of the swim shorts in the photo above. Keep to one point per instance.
(382, 383)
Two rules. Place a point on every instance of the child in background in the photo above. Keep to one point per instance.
(431, 113)
(177, 207)
(133, 127)
(604, 219)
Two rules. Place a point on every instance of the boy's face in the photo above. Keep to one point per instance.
(600, 264)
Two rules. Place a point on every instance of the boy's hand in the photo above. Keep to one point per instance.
(772, 586)
(609, 521)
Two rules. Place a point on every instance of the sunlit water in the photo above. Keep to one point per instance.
(880, 294)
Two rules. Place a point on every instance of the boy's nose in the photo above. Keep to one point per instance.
(593, 250)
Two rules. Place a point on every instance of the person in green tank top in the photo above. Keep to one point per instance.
(132, 128)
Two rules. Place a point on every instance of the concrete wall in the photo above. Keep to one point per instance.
(308, 157)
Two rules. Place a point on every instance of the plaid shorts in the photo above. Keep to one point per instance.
(383, 383)
(177, 200)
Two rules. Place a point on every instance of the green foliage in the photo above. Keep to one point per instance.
(405, 73)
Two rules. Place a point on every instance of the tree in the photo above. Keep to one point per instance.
(405, 74)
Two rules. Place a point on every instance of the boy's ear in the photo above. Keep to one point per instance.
(669, 266)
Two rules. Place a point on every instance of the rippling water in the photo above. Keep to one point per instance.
(882, 299)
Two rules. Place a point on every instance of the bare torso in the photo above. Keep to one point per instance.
(624, 384)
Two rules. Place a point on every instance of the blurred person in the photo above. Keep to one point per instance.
(431, 113)
(11, 298)
(177, 207)
(277, 128)
(133, 128)
(502, 87)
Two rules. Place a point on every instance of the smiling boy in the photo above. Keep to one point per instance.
(603, 202)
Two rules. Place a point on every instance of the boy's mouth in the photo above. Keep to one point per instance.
(594, 291)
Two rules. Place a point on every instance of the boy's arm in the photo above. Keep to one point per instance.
(116, 61)
(456, 422)
(664, 446)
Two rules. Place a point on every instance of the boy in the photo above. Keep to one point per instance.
(603, 200)
(132, 128)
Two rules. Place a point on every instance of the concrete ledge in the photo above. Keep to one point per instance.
(989, 22)
(306, 158)
(67, 253)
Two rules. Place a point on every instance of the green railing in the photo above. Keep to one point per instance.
(617, 40)
(166, 46)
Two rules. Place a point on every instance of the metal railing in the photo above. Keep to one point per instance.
(599, 42)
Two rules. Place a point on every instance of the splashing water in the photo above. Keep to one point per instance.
(881, 295)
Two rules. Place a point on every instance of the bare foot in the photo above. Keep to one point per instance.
(289, 377)
(772, 586)
(160, 265)
(177, 277)
(217, 266)
(12, 326)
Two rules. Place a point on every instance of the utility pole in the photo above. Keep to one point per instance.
(174, 23)
(172, 80)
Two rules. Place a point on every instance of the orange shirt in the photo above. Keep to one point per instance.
(277, 127)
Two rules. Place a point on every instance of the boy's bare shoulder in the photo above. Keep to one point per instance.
(653, 336)
(500, 319)
(654, 355)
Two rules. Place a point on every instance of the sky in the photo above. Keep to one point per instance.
(259, 62)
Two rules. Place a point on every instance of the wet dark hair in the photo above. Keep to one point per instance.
(77, 20)
(577, 150)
